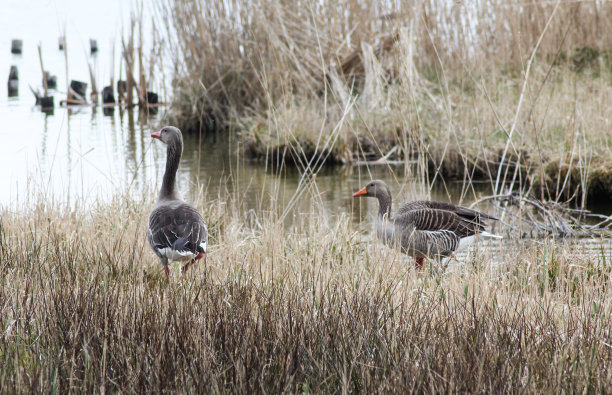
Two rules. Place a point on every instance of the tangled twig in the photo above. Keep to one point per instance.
(526, 217)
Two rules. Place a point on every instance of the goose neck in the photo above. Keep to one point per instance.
(173, 157)
(384, 204)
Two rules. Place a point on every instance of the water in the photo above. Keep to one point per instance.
(71, 151)
(82, 154)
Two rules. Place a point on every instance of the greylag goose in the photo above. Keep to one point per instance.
(424, 229)
(177, 231)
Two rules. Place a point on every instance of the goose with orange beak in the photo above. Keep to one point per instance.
(425, 229)
(177, 231)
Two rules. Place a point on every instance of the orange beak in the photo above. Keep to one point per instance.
(156, 135)
(361, 192)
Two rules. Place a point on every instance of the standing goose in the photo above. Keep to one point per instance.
(177, 231)
(424, 229)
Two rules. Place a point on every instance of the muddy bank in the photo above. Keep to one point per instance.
(573, 181)
(293, 155)
(563, 179)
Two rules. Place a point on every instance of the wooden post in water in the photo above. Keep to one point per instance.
(13, 82)
(112, 68)
(94, 88)
(108, 95)
(129, 63)
(156, 47)
(16, 46)
(46, 102)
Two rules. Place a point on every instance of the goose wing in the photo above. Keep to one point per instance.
(429, 219)
(178, 227)
(430, 232)
(464, 212)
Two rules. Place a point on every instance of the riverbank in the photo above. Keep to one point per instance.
(84, 306)
(368, 81)
(557, 145)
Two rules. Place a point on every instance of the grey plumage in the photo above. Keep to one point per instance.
(423, 229)
(177, 226)
(176, 231)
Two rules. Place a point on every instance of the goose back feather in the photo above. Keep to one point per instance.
(177, 232)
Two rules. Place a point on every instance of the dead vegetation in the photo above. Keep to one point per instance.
(255, 55)
(84, 307)
(451, 85)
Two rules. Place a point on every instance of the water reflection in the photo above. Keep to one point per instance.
(216, 162)
(87, 153)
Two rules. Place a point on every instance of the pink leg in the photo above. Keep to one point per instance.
(191, 262)
(167, 271)
(184, 268)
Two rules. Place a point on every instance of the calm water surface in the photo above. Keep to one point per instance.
(82, 154)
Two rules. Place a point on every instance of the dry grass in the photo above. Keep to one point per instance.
(233, 55)
(315, 307)
(462, 87)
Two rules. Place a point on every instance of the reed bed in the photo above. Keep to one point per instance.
(312, 307)
(236, 55)
(470, 90)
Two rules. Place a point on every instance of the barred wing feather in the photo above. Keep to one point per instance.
(177, 227)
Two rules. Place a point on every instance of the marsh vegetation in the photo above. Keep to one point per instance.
(510, 92)
(296, 295)
(314, 307)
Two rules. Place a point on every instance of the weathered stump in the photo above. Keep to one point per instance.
(51, 80)
(108, 95)
(14, 73)
(13, 82)
(152, 98)
(16, 46)
(93, 46)
(13, 88)
(46, 103)
(80, 88)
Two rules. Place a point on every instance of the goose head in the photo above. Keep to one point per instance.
(168, 134)
(381, 191)
(376, 188)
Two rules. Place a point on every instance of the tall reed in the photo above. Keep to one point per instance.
(503, 91)
(231, 56)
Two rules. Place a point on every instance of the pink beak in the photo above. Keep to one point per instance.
(156, 135)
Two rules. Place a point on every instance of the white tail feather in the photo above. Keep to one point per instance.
(174, 255)
(490, 235)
